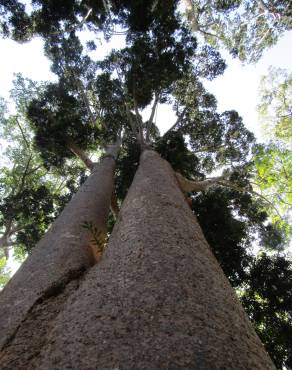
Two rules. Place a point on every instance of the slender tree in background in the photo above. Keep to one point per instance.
(28, 197)
(273, 179)
(273, 160)
(126, 298)
(275, 104)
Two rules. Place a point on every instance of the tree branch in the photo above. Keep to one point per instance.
(85, 18)
(150, 121)
(80, 87)
(22, 133)
(112, 150)
(80, 154)
(78, 25)
(188, 186)
(139, 122)
(34, 169)
(24, 174)
(180, 117)
(232, 186)
(208, 149)
(191, 16)
(131, 122)
(208, 33)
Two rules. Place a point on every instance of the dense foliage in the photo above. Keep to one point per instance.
(31, 197)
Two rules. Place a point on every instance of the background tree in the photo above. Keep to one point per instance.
(267, 300)
(273, 179)
(274, 109)
(244, 28)
(273, 160)
(27, 198)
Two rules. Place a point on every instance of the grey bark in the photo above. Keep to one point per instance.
(62, 256)
(158, 299)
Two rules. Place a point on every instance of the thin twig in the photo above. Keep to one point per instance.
(74, 28)
(139, 121)
(24, 174)
(180, 117)
(22, 133)
(208, 33)
(34, 169)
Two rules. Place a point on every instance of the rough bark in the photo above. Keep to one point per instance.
(58, 261)
(158, 299)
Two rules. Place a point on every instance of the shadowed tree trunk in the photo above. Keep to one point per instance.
(157, 300)
(46, 278)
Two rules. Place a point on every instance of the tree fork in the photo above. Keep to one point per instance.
(158, 299)
(67, 247)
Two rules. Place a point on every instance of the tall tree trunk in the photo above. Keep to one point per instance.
(158, 299)
(56, 265)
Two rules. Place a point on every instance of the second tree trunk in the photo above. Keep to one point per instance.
(35, 295)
